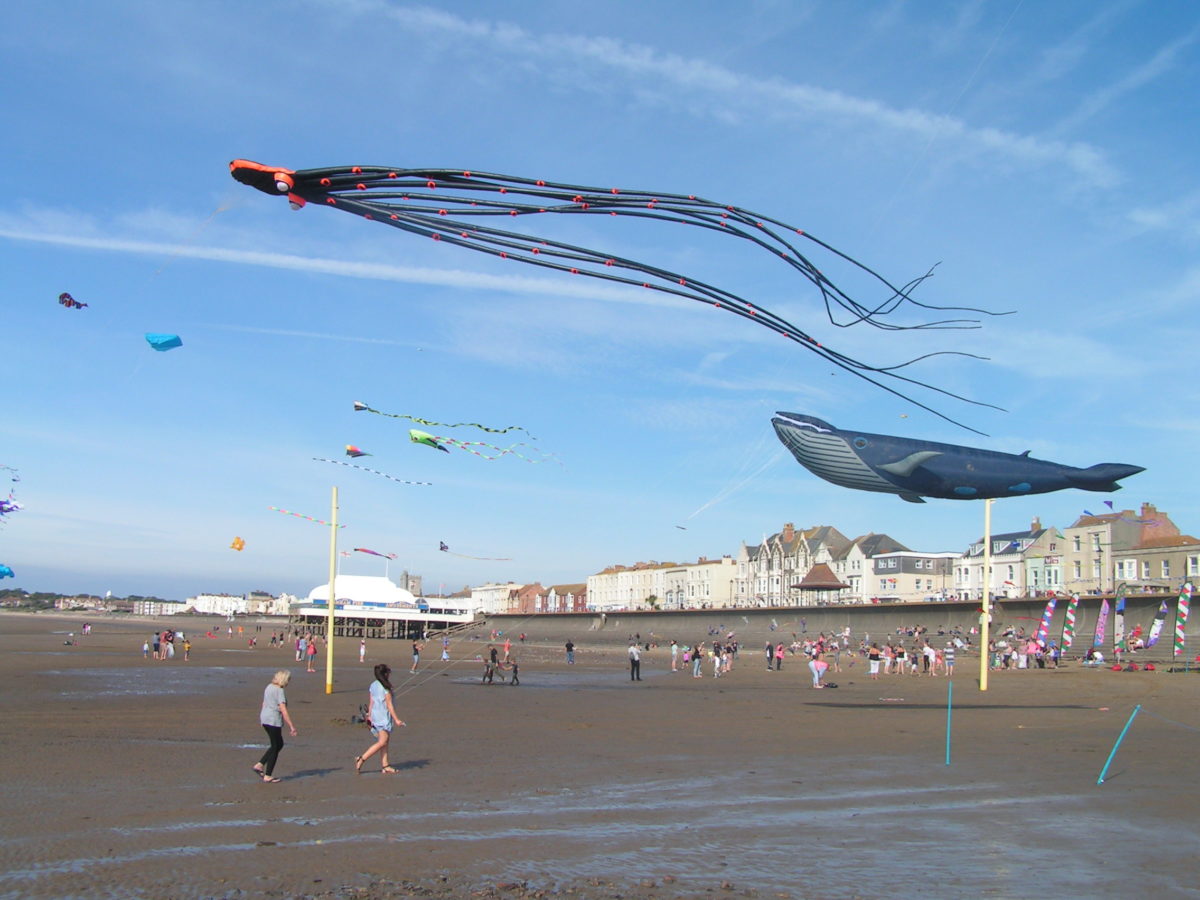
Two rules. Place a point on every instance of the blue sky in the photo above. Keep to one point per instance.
(1043, 154)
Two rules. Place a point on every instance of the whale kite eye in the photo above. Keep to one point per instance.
(860, 442)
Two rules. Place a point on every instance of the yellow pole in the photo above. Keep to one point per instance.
(986, 615)
(333, 526)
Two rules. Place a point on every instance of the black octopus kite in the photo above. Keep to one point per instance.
(453, 205)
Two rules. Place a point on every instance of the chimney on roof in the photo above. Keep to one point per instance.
(789, 533)
(1149, 511)
(1037, 524)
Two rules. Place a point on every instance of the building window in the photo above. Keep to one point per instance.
(1095, 568)
(1077, 541)
(1095, 541)
(1145, 570)
(1077, 570)
(1193, 565)
(1166, 568)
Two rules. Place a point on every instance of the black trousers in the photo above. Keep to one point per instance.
(635, 670)
(275, 736)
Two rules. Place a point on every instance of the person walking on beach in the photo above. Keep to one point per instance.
(674, 656)
(570, 652)
(362, 650)
(779, 656)
(382, 717)
(516, 673)
(273, 716)
(698, 660)
(145, 649)
(635, 662)
(416, 656)
(311, 651)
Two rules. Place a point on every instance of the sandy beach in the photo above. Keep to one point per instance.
(126, 777)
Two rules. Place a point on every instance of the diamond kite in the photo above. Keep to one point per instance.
(163, 342)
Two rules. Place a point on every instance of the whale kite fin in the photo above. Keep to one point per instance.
(912, 498)
(905, 467)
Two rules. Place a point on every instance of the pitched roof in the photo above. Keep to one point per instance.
(820, 578)
(871, 544)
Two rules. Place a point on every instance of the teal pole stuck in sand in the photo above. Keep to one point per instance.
(1120, 737)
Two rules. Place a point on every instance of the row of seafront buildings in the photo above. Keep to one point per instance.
(820, 566)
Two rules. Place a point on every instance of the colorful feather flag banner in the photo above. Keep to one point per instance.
(374, 553)
(1101, 625)
(288, 512)
(1043, 631)
(1119, 622)
(1156, 627)
(339, 462)
(362, 407)
(1181, 617)
(1068, 635)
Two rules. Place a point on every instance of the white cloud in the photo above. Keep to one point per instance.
(730, 94)
(1159, 64)
(348, 268)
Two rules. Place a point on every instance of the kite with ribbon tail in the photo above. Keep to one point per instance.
(445, 548)
(362, 407)
(355, 452)
(452, 205)
(9, 503)
(374, 553)
(339, 462)
(65, 299)
(439, 443)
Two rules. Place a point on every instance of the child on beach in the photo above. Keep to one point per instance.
(382, 717)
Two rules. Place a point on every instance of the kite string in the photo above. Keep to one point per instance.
(1171, 721)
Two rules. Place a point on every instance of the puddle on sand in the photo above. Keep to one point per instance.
(154, 680)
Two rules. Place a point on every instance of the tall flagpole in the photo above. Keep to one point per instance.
(986, 615)
(333, 527)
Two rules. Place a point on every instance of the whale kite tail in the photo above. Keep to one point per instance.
(1102, 476)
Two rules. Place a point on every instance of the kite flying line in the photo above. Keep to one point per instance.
(288, 512)
(338, 462)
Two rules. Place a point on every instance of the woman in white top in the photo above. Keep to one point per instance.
(273, 716)
(382, 717)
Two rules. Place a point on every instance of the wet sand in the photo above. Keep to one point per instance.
(126, 778)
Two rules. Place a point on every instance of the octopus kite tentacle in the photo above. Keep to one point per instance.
(362, 407)
(338, 462)
(449, 205)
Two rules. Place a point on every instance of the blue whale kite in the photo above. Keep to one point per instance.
(915, 469)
